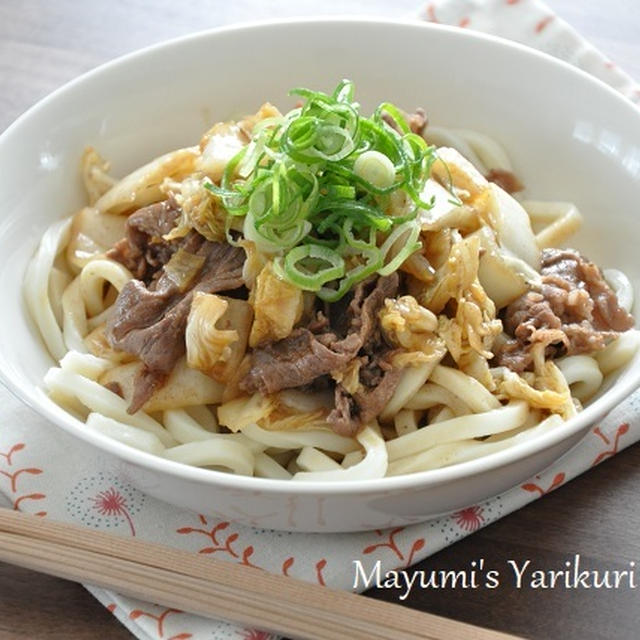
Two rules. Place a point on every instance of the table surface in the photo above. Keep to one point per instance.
(44, 44)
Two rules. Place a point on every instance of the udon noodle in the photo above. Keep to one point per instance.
(469, 350)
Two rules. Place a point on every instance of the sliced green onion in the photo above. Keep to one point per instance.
(411, 245)
(328, 265)
(375, 168)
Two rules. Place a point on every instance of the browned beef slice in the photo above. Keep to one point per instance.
(142, 250)
(506, 180)
(297, 360)
(417, 121)
(352, 412)
(567, 269)
(305, 356)
(574, 311)
(150, 321)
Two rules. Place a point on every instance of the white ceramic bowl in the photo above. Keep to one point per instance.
(570, 137)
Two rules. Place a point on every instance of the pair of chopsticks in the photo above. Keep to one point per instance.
(215, 588)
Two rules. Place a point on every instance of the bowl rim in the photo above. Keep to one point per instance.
(37, 400)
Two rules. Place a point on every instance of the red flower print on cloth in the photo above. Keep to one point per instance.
(112, 503)
(220, 541)
(104, 501)
(160, 620)
(390, 543)
(470, 518)
(532, 487)
(612, 449)
(254, 634)
(17, 478)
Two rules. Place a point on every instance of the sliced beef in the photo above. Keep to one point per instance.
(143, 250)
(297, 360)
(149, 321)
(417, 121)
(574, 311)
(378, 381)
(328, 345)
(303, 356)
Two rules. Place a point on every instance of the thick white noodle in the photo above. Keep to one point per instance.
(267, 467)
(433, 395)
(214, 453)
(455, 452)
(74, 317)
(582, 374)
(204, 417)
(441, 415)
(468, 389)
(622, 286)
(93, 277)
(125, 433)
(185, 429)
(373, 465)
(310, 459)
(85, 364)
(412, 378)
(405, 421)
(99, 399)
(554, 220)
(616, 354)
(59, 280)
(321, 439)
(352, 458)
(36, 288)
(476, 425)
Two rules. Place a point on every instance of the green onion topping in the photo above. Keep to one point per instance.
(320, 187)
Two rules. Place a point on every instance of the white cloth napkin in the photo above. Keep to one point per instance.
(46, 472)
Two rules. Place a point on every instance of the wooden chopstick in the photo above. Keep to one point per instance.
(214, 588)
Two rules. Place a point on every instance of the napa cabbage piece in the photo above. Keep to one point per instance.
(95, 175)
(544, 388)
(92, 234)
(254, 263)
(406, 323)
(511, 223)
(349, 377)
(470, 332)
(446, 212)
(455, 173)
(143, 186)
(236, 414)
(216, 334)
(225, 139)
(199, 210)
(489, 202)
(277, 306)
(455, 275)
(185, 387)
(504, 276)
(288, 410)
(474, 326)
(294, 410)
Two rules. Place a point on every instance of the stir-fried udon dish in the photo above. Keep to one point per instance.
(324, 295)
